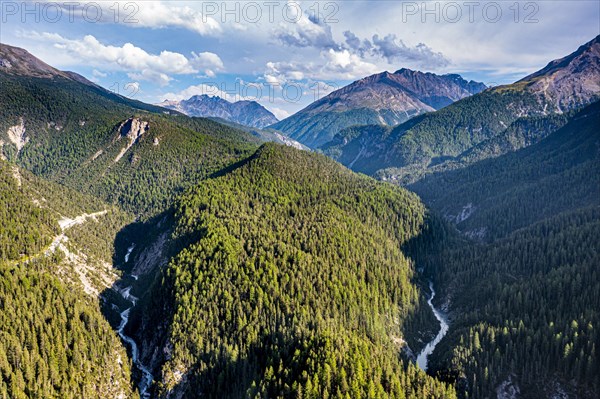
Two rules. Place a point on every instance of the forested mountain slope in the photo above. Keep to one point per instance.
(495, 197)
(524, 304)
(17, 62)
(292, 283)
(273, 272)
(120, 150)
(54, 341)
(525, 311)
(491, 120)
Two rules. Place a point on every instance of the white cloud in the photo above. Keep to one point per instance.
(306, 31)
(131, 89)
(336, 64)
(156, 14)
(279, 73)
(134, 60)
(151, 76)
(197, 90)
(279, 113)
(345, 65)
(395, 50)
(98, 74)
(143, 14)
(472, 45)
(209, 62)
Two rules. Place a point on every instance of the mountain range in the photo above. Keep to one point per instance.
(124, 202)
(385, 98)
(247, 113)
(568, 82)
(487, 124)
(148, 254)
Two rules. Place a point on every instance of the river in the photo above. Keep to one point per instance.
(147, 377)
(428, 350)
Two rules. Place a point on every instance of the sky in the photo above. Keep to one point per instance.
(287, 54)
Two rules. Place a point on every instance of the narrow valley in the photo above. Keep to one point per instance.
(396, 231)
(442, 319)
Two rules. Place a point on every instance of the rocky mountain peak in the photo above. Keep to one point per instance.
(247, 113)
(568, 82)
(385, 98)
(15, 60)
(133, 128)
(18, 61)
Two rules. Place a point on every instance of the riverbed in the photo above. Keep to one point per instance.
(429, 348)
(147, 377)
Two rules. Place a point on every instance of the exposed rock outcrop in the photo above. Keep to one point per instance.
(508, 389)
(132, 129)
(16, 135)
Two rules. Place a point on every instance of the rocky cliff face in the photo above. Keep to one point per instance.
(385, 98)
(132, 129)
(247, 113)
(571, 81)
(434, 90)
(16, 135)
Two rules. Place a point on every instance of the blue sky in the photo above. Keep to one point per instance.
(287, 54)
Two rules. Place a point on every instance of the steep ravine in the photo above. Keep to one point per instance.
(430, 347)
(143, 251)
(147, 376)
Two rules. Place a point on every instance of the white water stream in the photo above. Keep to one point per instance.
(129, 251)
(428, 350)
(147, 377)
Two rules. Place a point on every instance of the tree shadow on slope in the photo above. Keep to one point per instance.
(141, 250)
(421, 326)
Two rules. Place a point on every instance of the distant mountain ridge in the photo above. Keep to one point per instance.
(570, 81)
(488, 124)
(384, 98)
(16, 62)
(247, 113)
